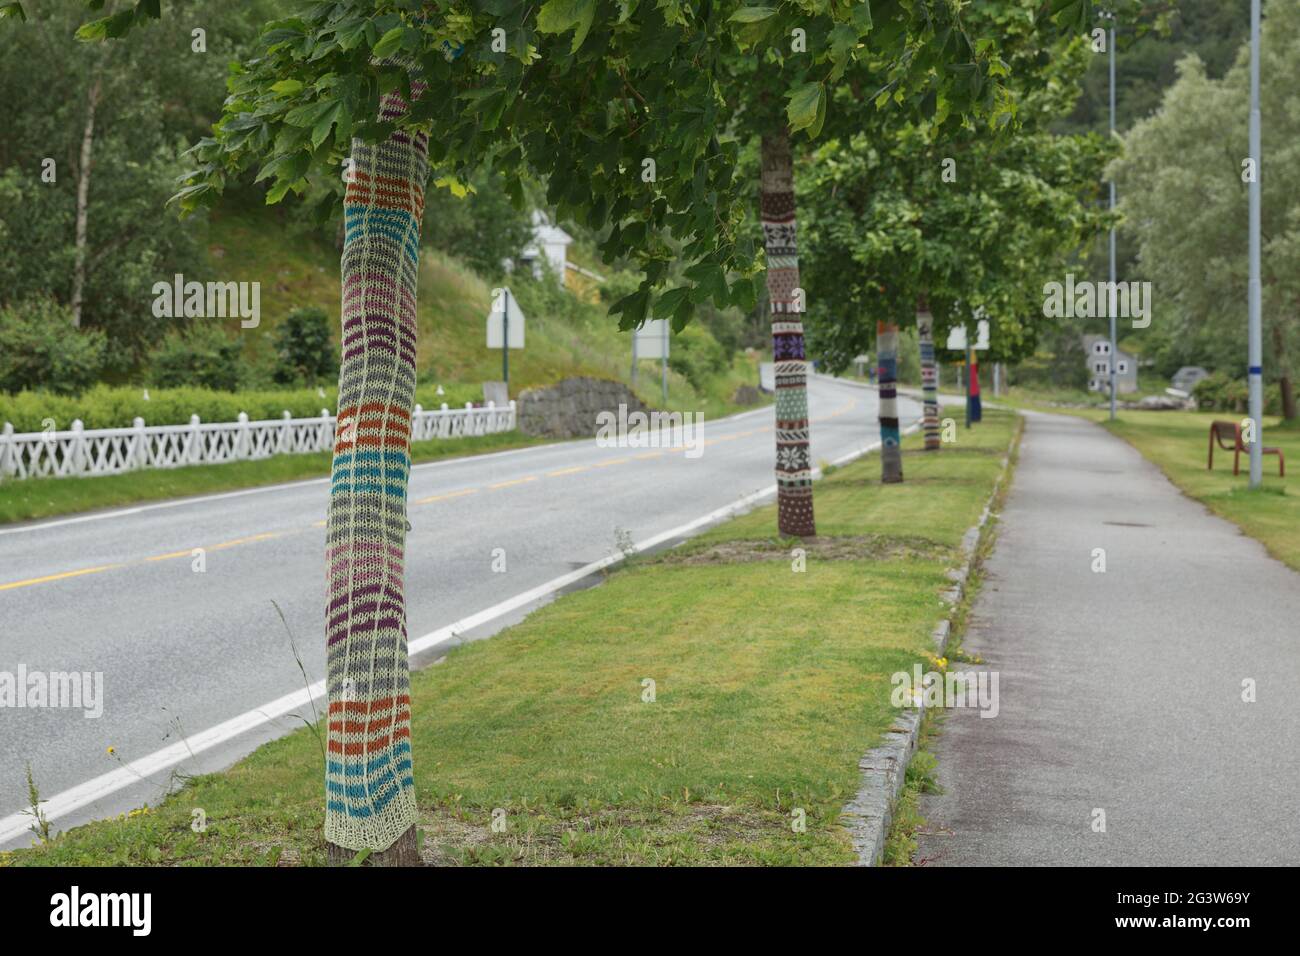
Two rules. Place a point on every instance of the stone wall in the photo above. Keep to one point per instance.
(569, 408)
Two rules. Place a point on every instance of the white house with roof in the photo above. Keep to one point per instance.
(550, 242)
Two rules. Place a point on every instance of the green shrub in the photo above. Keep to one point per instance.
(695, 354)
(305, 353)
(202, 355)
(1220, 393)
(40, 348)
(116, 407)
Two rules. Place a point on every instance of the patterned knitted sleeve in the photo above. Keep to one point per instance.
(370, 796)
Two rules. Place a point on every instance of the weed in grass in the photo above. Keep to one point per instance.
(314, 723)
(40, 822)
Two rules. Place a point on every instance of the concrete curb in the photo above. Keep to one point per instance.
(884, 768)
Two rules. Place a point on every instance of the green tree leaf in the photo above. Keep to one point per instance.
(389, 43)
(752, 14)
(559, 16)
(807, 104)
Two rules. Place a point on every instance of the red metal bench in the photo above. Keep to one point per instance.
(1222, 430)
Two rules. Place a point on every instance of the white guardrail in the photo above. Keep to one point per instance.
(110, 451)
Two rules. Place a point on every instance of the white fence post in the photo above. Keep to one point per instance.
(241, 436)
(8, 462)
(78, 463)
(194, 451)
(325, 437)
(139, 450)
(285, 433)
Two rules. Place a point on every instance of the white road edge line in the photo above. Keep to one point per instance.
(84, 794)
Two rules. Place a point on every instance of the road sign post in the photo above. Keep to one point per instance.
(505, 328)
(664, 367)
(651, 341)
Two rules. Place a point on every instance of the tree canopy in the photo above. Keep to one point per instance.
(898, 216)
(619, 106)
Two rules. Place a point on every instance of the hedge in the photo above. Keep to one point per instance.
(117, 406)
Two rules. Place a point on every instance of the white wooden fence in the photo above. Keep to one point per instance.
(109, 451)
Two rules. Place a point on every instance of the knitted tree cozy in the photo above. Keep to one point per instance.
(891, 455)
(793, 459)
(370, 797)
(929, 381)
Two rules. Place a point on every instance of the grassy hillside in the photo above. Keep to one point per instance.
(565, 336)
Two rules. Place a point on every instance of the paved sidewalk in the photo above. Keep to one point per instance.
(1122, 691)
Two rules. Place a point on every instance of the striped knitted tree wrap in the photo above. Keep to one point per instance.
(891, 455)
(793, 458)
(929, 382)
(370, 795)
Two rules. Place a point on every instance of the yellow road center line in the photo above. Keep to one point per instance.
(57, 577)
(612, 461)
(249, 540)
(454, 494)
(565, 471)
(516, 481)
(174, 554)
(652, 454)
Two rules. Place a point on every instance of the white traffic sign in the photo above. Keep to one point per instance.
(651, 340)
(505, 312)
(957, 337)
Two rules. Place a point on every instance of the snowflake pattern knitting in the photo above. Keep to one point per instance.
(793, 470)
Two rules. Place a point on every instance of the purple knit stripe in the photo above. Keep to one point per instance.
(369, 589)
(364, 628)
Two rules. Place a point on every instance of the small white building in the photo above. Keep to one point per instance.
(549, 241)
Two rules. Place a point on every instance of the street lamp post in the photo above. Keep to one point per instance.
(1255, 345)
(1114, 347)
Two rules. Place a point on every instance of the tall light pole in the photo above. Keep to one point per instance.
(1114, 346)
(1254, 338)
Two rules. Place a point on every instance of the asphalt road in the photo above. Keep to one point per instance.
(182, 651)
(1122, 691)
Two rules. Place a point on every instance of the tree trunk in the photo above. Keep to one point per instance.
(793, 458)
(405, 852)
(370, 791)
(1288, 396)
(891, 454)
(1284, 379)
(929, 381)
(83, 197)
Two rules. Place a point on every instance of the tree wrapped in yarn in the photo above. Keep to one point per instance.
(793, 458)
(891, 452)
(929, 380)
(370, 790)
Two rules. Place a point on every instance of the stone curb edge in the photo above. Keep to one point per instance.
(884, 768)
